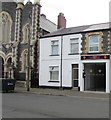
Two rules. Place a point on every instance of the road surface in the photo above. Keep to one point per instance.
(27, 105)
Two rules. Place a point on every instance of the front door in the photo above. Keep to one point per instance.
(75, 75)
(95, 76)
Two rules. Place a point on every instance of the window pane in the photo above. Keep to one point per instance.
(54, 68)
(54, 42)
(94, 39)
(55, 47)
(54, 75)
(94, 43)
(54, 50)
(74, 45)
(74, 48)
(75, 66)
(75, 74)
(74, 41)
(93, 48)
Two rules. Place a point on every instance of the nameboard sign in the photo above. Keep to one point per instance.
(95, 57)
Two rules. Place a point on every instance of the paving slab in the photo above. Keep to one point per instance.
(62, 92)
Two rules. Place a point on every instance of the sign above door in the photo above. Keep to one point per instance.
(95, 57)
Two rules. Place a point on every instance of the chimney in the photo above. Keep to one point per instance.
(61, 21)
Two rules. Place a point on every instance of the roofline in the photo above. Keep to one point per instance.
(74, 33)
(91, 24)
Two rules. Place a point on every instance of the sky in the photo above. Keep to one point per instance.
(77, 12)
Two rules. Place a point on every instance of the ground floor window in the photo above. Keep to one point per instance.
(75, 75)
(54, 73)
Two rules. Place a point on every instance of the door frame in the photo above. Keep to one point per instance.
(95, 80)
(108, 75)
(72, 74)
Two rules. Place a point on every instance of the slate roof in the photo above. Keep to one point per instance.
(79, 29)
(47, 24)
(98, 26)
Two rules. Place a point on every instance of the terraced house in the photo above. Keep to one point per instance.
(96, 58)
(21, 25)
(77, 58)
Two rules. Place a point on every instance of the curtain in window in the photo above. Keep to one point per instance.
(54, 73)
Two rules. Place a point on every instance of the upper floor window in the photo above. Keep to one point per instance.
(26, 33)
(94, 43)
(55, 47)
(5, 27)
(74, 45)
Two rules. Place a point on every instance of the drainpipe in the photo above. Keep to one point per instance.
(61, 61)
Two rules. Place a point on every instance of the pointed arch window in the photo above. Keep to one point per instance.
(26, 33)
(24, 60)
(5, 27)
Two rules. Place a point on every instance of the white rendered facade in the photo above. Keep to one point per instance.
(64, 60)
(87, 66)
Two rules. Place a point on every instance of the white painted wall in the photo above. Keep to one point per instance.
(66, 45)
(46, 60)
(45, 49)
(67, 72)
(44, 76)
(67, 60)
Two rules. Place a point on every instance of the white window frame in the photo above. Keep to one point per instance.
(94, 44)
(51, 70)
(75, 42)
(52, 45)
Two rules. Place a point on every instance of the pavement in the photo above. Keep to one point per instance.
(62, 92)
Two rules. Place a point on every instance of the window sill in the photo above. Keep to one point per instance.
(73, 54)
(54, 55)
(54, 81)
(93, 52)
